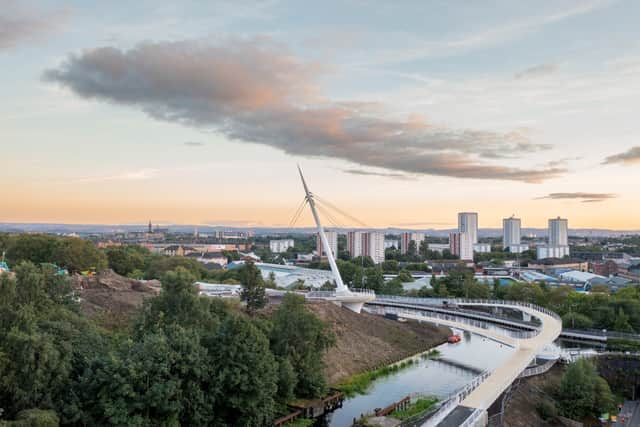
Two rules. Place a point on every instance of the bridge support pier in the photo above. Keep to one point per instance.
(526, 316)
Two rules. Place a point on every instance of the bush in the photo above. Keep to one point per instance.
(547, 410)
(35, 418)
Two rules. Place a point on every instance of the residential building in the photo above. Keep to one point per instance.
(511, 234)
(407, 237)
(548, 251)
(468, 223)
(482, 247)
(439, 247)
(558, 240)
(604, 268)
(332, 239)
(518, 249)
(391, 243)
(280, 246)
(558, 232)
(461, 244)
(366, 243)
(354, 243)
(375, 246)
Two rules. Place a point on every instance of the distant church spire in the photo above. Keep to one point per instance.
(150, 230)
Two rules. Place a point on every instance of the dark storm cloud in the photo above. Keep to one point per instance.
(584, 197)
(255, 91)
(629, 157)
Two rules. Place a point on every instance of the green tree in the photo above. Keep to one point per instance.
(76, 254)
(622, 322)
(404, 276)
(126, 259)
(302, 338)
(576, 396)
(253, 289)
(576, 321)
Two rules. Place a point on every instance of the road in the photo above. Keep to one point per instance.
(629, 415)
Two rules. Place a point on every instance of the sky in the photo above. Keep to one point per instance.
(400, 113)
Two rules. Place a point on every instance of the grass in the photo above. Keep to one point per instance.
(419, 406)
(431, 354)
(360, 383)
(300, 422)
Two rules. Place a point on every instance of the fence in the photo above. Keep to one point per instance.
(467, 301)
(453, 400)
(537, 370)
(417, 309)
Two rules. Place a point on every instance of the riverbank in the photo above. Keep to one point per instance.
(359, 383)
(365, 342)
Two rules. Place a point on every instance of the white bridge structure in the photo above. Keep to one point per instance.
(469, 408)
(343, 296)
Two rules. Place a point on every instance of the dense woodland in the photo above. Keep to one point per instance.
(184, 359)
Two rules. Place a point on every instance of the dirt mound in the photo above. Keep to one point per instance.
(108, 279)
(110, 298)
(365, 341)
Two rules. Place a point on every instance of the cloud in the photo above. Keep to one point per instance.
(537, 71)
(136, 175)
(629, 157)
(372, 173)
(194, 144)
(253, 90)
(584, 197)
(19, 23)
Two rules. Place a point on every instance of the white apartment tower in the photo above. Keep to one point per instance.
(468, 223)
(332, 239)
(362, 243)
(510, 232)
(558, 232)
(407, 237)
(558, 243)
(280, 246)
(460, 244)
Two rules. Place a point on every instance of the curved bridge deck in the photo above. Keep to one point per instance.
(527, 345)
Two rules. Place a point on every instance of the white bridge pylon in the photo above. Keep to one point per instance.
(342, 296)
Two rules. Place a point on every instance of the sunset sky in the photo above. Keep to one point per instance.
(400, 113)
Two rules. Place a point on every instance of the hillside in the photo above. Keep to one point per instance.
(365, 341)
(111, 298)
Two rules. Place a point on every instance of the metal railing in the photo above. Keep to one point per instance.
(468, 301)
(333, 294)
(537, 370)
(603, 333)
(454, 400)
(401, 307)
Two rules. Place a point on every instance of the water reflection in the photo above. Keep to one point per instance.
(429, 377)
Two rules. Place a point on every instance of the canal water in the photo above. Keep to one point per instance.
(427, 377)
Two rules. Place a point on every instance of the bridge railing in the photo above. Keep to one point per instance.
(603, 333)
(333, 294)
(403, 307)
(537, 370)
(467, 301)
(454, 400)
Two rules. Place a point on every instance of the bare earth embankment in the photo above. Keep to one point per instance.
(365, 341)
(111, 298)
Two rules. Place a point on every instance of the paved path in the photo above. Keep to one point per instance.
(526, 350)
(502, 377)
(629, 414)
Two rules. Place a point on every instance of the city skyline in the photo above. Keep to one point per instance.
(198, 114)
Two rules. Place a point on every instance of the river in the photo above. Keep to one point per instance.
(428, 377)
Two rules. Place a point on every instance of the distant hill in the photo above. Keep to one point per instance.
(111, 228)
